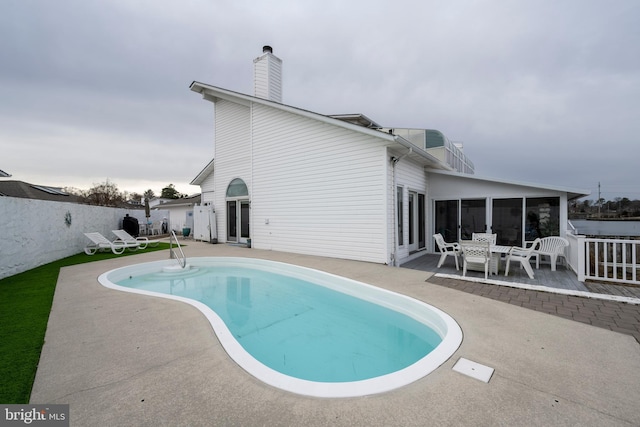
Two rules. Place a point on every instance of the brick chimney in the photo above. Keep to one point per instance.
(267, 76)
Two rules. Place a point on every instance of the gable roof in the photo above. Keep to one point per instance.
(25, 190)
(183, 201)
(214, 94)
(204, 173)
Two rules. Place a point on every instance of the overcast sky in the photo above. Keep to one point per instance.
(544, 91)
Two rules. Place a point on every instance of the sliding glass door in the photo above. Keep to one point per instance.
(507, 221)
(543, 217)
(459, 219)
(446, 219)
(473, 217)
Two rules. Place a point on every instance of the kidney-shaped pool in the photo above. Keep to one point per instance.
(304, 330)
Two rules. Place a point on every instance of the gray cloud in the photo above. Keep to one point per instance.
(542, 91)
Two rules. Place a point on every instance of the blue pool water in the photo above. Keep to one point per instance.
(298, 328)
(303, 330)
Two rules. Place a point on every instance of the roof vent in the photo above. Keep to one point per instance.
(267, 49)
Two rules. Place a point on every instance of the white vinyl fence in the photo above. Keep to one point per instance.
(607, 260)
(36, 232)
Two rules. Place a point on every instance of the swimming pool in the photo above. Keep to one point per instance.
(277, 321)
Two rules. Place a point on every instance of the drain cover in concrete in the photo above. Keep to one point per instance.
(473, 369)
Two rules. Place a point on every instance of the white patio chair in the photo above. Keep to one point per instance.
(101, 243)
(553, 247)
(492, 238)
(156, 228)
(484, 237)
(523, 256)
(447, 249)
(123, 236)
(475, 254)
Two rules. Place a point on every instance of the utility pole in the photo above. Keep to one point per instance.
(599, 200)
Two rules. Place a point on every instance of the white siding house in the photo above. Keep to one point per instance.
(342, 186)
(180, 212)
(298, 165)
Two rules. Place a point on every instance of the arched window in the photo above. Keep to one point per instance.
(237, 188)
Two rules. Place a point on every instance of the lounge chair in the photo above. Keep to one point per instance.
(446, 249)
(552, 246)
(475, 254)
(522, 255)
(101, 243)
(123, 236)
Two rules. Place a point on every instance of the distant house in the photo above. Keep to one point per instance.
(24, 190)
(344, 186)
(154, 202)
(180, 210)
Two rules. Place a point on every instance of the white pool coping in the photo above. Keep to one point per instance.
(443, 324)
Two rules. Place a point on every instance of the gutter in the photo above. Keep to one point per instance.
(164, 205)
(422, 153)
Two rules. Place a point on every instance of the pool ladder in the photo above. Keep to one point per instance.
(182, 260)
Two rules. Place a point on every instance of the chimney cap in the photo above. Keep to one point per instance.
(267, 49)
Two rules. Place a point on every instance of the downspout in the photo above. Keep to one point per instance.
(394, 161)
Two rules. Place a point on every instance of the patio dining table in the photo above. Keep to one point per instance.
(496, 255)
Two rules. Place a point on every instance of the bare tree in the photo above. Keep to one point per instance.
(104, 194)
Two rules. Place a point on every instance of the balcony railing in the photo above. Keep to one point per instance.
(606, 260)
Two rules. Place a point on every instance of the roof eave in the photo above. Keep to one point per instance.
(172, 205)
(572, 193)
(204, 173)
(214, 94)
(417, 153)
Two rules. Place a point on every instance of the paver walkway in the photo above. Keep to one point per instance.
(616, 316)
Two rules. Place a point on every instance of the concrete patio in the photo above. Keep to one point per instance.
(123, 359)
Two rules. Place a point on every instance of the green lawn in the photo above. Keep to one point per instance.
(25, 303)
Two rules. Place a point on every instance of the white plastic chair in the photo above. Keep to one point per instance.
(476, 253)
(484, 237)
(552, 246)
(492, 239)
(446, 249)
(523, 256)
(156, 228)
